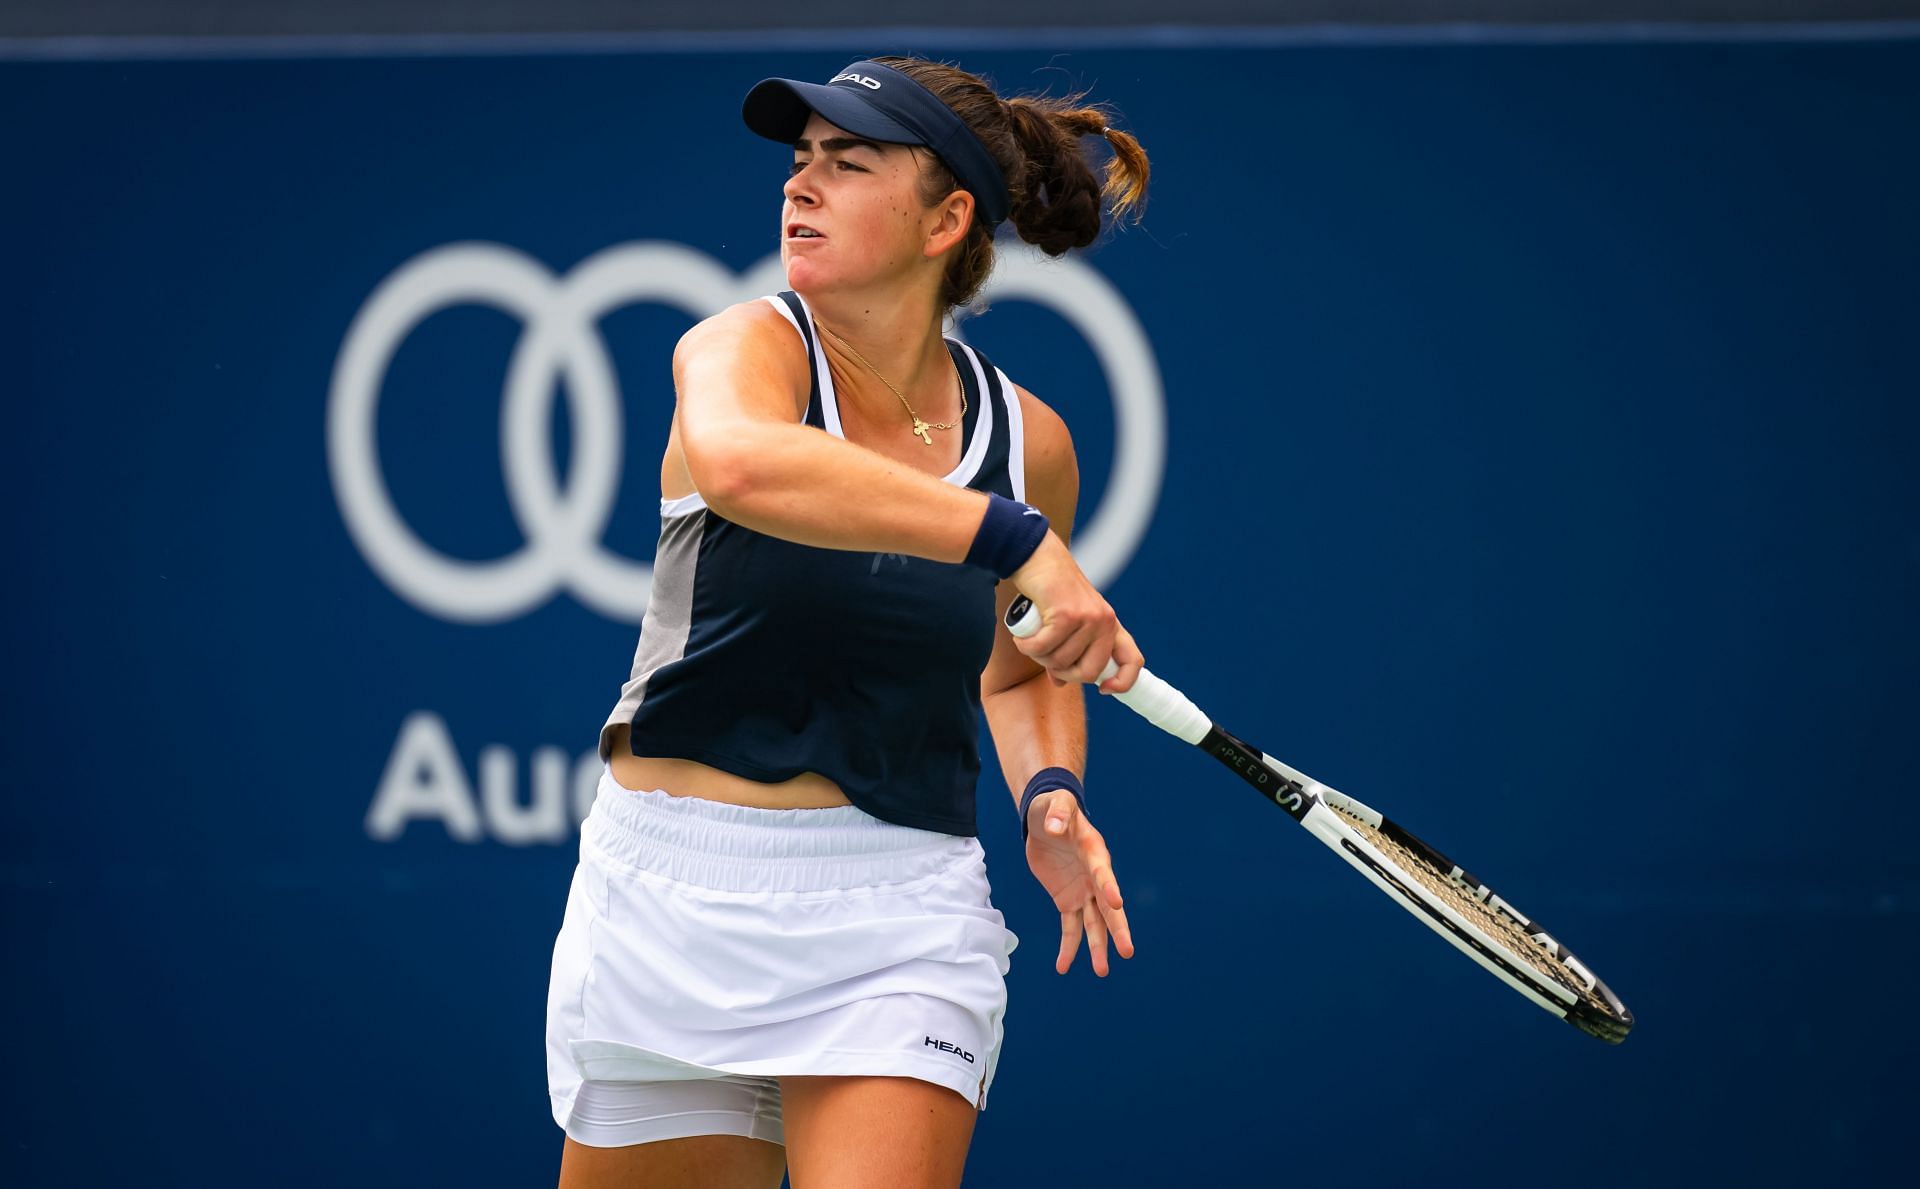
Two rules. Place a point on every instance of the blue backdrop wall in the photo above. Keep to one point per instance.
(1519, 437)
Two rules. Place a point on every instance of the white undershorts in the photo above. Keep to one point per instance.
(616, 1114)
(709, 949)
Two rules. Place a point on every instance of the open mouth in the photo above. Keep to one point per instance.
(802, 231)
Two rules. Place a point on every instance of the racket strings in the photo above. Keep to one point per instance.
(1497, 925)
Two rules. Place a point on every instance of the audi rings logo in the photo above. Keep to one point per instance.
(563, 521)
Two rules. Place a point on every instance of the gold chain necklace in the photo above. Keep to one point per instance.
(920, 424)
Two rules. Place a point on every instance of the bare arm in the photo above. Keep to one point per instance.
(1039, 722)
(757, 465)
(1036, 722)
(752, 460)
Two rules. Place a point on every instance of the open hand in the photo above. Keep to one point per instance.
(1070, 860)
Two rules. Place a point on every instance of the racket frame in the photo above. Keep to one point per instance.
(1314, 806)
(1318, 808)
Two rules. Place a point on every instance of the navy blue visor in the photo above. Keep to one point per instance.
(881, 104)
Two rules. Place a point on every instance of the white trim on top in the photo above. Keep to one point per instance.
(683, 506)
(816, 361)
(829, 401)
(1016, 438)
(976, 448)
(773, 299)
(976, 451)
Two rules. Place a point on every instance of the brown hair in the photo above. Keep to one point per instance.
(1035, 140)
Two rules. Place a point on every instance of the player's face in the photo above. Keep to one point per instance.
(859, 202)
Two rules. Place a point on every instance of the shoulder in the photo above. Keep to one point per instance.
(1049, 444)
(753, 333)
(1053, 473)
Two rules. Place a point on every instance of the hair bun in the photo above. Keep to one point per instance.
(1057, 202)
(1056, 205)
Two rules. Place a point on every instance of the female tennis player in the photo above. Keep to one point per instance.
(779, 953)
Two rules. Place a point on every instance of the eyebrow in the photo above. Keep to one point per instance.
(836, 144)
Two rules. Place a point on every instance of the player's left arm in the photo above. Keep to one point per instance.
(1038, 723)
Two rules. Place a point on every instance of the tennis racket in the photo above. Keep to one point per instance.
(1513, 947)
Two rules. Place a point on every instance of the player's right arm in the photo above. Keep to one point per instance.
(742, 381)
(741, 378)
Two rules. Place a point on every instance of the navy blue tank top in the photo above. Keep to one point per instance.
(767, 659)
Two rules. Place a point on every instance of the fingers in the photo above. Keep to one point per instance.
(1126, 654)
(1106, 915)
(1079, 632)
(1099, 864)
(1062, 810)
(1105, 908)
(1068, 648)
(1051, 814)
(1080, 655)
(1101, 917)
(1070, 929)
(1101, 925)
(1115, 919)
(1096, 927)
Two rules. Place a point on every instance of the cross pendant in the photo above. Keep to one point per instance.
(920, 428)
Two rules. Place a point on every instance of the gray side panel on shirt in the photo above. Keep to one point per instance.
(669, 618)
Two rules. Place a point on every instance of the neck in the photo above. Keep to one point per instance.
(898, 334)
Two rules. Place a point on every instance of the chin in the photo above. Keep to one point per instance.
(806, 276)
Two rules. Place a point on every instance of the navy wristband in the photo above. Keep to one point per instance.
(1045, 781)
(1009, 533)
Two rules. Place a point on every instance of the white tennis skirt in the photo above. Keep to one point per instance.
(705, 940)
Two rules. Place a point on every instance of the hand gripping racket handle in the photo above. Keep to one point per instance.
(1151, 698)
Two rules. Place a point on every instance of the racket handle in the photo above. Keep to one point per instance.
(1151, 697)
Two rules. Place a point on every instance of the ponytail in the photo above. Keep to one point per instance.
(1061, 205)
(1039, 143)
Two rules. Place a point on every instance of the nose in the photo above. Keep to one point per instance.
(799, 188)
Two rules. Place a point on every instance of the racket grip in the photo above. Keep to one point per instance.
(1151, 697)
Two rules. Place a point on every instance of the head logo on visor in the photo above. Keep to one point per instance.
(882, 104)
